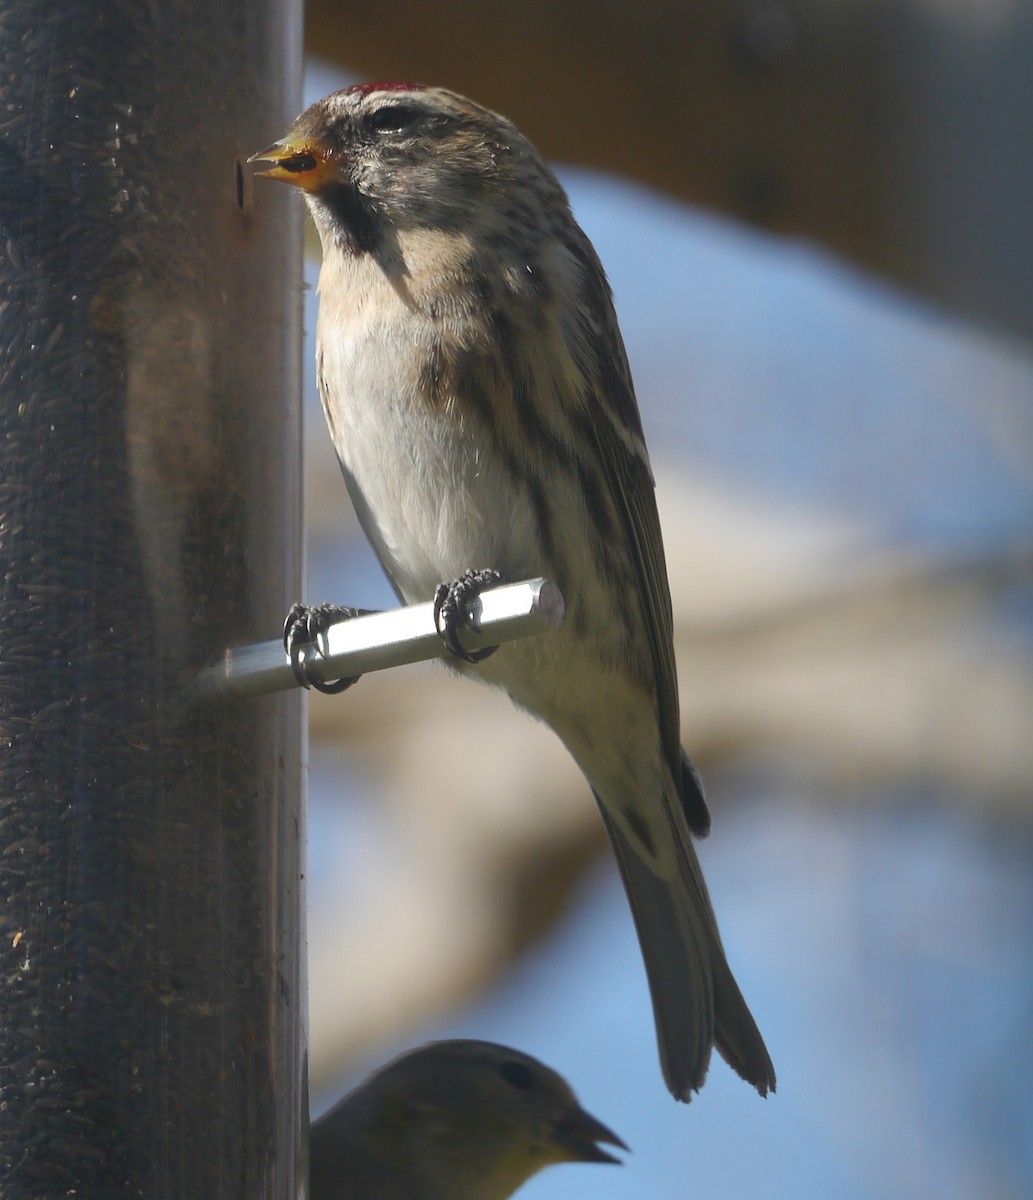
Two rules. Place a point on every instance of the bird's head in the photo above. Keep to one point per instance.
(485, 1116)
(404, 156)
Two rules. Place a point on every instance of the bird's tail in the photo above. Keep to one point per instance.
(696, 1001)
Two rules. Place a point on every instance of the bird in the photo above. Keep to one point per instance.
(479, 397)
(452, 1120)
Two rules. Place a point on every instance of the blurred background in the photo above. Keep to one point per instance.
(816, 220)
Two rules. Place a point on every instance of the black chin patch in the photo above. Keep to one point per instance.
(353, 214)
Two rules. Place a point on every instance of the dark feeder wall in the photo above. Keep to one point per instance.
(150, 907)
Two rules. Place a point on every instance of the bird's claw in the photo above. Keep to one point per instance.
(305, 626)
(452, 611)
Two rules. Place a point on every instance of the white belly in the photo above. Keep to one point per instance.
(431, 496)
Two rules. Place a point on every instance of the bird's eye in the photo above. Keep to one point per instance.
(394, 118)
(518, 1074)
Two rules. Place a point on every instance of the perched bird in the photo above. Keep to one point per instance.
(480, 401)
(459, 1120)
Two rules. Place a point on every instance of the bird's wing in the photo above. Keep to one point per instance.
(613, 422)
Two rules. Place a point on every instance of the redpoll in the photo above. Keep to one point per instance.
(479, 398)
(456, 1120)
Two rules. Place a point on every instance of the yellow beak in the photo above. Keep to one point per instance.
(306, 163)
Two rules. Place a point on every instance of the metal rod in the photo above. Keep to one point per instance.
(376, 641)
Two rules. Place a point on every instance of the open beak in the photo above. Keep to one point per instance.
(579, 1133)
(307, 163)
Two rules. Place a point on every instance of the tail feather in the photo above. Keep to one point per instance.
(696, 1002)
(676, 954)
(737, 1037)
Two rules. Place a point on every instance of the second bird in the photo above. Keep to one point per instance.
(479, 398)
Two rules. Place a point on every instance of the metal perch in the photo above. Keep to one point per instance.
(376, 641)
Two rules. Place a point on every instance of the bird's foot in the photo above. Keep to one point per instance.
(452, 610)
(306, 625)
